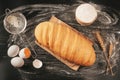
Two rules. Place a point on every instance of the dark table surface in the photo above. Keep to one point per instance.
(15, 3)
(7, 72)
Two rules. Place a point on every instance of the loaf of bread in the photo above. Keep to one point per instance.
(65, 42)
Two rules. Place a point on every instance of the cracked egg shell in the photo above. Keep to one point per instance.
(37, 63)
(25, 53)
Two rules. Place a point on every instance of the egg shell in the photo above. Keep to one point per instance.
(13, 50)
(37, 64)
(17, 62)
(25, 53)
